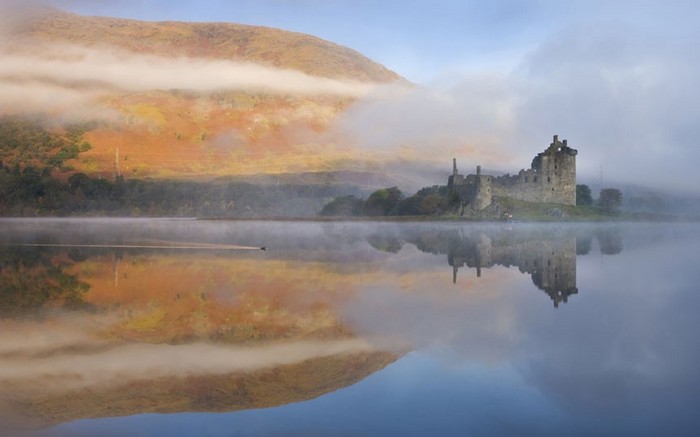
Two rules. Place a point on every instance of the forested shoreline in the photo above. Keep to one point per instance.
(31, 192)
(37, 179)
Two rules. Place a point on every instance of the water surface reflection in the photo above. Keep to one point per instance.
(414, 310)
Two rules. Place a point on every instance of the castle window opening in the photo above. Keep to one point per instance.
(549, 179)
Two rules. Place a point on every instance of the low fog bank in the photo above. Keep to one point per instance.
(125, 364)
(681, 202)
(623, 95)
(72, 78)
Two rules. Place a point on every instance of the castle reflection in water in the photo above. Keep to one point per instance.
(547, 255)
(551, 263)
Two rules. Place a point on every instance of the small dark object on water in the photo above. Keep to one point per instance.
(263, 248)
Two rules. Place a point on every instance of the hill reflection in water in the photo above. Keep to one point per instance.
(92, 332)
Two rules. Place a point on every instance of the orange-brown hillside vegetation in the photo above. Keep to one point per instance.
(176, 133)
(156, 299)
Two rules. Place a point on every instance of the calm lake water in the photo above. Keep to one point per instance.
(178, 327)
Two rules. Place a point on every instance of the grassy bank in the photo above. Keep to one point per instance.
(543, 212)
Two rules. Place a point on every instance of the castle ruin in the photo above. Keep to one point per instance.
(551, 178)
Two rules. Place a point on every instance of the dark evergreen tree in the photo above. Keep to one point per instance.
(610, 200)
(583, 195)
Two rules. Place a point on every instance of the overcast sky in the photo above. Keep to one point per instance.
(619, 79)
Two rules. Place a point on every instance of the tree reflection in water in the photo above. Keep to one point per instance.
(34, 278)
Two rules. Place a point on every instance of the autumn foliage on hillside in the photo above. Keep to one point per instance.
(188, 100)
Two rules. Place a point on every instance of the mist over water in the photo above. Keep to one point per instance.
(187, 327)
(547, 327)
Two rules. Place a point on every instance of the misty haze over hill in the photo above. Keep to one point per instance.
(185, 100)
(203, 100)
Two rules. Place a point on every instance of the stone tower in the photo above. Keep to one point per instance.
(480, 185)
(475, 189)
(556, 171)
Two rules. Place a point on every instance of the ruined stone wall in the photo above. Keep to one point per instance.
(550, 179)
(482, 191)
(476, 189)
